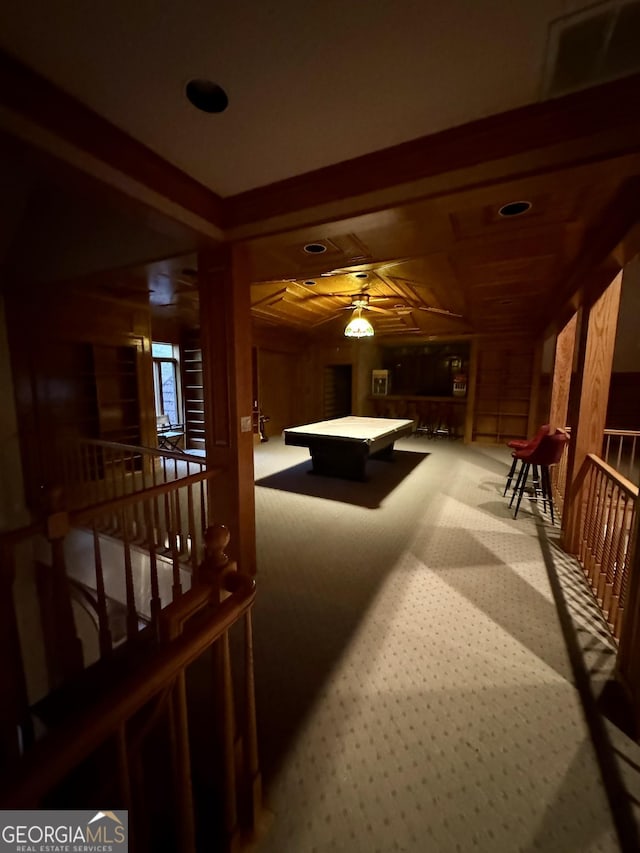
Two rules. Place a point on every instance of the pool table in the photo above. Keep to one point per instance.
(341, 447)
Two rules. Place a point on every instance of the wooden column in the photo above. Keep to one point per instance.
(562, 368)
(471, 391)
(589, 397)
(225, 326)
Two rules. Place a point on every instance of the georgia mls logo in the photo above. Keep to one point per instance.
(63, 832)
(98, 815)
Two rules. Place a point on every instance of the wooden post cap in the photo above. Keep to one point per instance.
(216, 539)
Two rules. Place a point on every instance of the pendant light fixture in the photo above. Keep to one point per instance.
(358, 326)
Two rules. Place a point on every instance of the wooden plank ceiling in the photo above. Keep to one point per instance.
(441, 267)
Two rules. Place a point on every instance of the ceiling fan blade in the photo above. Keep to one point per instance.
(443, 311)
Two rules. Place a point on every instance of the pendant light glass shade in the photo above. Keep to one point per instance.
(358, 327)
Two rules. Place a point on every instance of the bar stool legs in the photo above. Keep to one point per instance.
(512, 471)
(541, 486)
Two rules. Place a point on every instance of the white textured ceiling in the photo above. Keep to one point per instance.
(309, 83)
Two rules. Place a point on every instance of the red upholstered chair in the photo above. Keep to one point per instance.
(546, 453)
(523, 444)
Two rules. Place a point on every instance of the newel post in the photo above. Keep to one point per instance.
(215, 563)
(225, 332)
(63, 647)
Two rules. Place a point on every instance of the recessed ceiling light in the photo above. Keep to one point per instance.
(310, 282)
(315, 248)
(515, 208)
(207, 96)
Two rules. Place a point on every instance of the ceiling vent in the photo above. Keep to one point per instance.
(592, 46)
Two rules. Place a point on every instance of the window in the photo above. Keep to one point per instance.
(166, 381)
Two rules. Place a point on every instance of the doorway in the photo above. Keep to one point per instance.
(336, 391)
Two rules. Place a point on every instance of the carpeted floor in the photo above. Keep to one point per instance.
(430, 671)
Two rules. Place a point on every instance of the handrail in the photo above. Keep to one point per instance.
(81, 516)
(50, 760)
(148, 451)
(623, 432)
(93, 470)
(626, 485)
(11, 538)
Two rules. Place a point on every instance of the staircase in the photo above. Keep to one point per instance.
(122, 684)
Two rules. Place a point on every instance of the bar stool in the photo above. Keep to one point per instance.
(546, 453)
(444, 421)
(523, 444)
(425, 418)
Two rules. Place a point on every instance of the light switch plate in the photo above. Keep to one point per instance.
(245, 423)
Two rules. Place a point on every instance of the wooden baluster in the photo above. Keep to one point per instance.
(181, 759)
(214, 566)
(583, 528)
(618, 464)
(603, 509)
(252, 769)
(107, 480)
(633, 459)
(132, 615)
(181, 538)
(167, 522)
(143, 470)
(586, 521)
(623, 557)
(155, 605)
(594, 567)
(618, 549)
(63, 647)
(204, 520)
(85, 487)
(193, 534)
(104, 629)
(608, 555)
(93, 487)
(122, 465)
(228, 722)
(175, 555)
(138, 465)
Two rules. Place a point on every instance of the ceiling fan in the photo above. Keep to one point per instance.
(399, 304)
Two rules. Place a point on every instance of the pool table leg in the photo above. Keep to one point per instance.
(333, 460)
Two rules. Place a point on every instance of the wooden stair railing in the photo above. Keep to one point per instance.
(619, 450)
(608, 504)
(151, 565)
(94, 471)
(151, 703)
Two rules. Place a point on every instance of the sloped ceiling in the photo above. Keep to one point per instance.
(309, 84)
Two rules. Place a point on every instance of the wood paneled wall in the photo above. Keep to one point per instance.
(12, 507)
(283, 384)
(81, 366)
(290, 375)
(503, 392)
